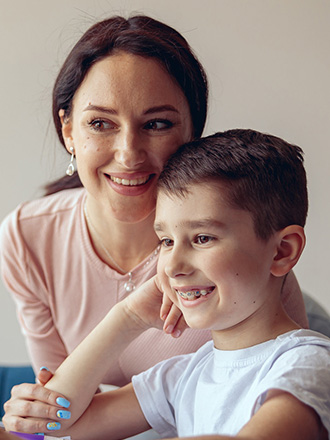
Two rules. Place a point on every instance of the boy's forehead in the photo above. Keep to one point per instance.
(199, 200)
(202, 205)
(210, 190)
(164, 200)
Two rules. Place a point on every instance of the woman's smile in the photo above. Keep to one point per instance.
(128, 186)
(129, 182)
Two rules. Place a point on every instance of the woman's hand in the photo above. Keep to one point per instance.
(33, 408)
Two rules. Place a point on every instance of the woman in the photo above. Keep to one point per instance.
(129, 93)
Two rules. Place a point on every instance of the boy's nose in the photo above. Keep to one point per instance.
(178, 264)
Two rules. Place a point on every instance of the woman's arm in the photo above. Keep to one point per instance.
(23, 276)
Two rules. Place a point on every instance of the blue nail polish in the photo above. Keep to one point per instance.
(63, 402)
(53, 426)
(44, 368)
(63, 414)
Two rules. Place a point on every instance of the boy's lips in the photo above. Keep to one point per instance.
(192, 294)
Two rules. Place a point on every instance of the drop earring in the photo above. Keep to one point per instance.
(70, 170)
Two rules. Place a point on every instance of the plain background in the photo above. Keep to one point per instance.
(268, 63)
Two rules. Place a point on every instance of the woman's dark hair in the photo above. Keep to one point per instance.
(138, 35)
(262, 174)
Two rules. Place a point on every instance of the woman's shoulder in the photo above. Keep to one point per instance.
(53, 204)
(33, 217)
(61, 201)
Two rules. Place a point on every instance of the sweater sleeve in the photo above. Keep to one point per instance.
(24, 278)
(293, 301)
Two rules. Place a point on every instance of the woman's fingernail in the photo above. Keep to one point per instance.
(53, 426)
(63, 402)
(44, 368)
(63, 414)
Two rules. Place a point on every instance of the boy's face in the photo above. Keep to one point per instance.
(218, 270)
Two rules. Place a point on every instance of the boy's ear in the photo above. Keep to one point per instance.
(66, 130)
(290, 244)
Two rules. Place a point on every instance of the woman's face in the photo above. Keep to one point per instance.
(128, 117)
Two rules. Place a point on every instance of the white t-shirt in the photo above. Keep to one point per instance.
(217, 392)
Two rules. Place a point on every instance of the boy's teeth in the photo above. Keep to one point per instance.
(127, 182)
(190, 295)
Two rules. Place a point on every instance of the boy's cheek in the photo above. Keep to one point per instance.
(165, 283)
(161, 269)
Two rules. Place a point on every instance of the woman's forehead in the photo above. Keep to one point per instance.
(136, 79)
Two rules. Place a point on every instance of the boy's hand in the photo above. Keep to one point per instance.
(150, 306)
(174, 323)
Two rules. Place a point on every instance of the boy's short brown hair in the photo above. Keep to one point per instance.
(264, 175)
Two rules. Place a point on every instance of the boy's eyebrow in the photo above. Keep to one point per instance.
(192, 224)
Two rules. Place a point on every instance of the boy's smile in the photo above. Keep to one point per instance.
(218, 270)
(192, 294)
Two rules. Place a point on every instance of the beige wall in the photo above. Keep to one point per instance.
(268, 63)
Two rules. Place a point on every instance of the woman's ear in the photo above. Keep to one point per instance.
(290, 244)
(66, 130)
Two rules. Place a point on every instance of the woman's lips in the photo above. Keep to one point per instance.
(130, 182)
(130, 185)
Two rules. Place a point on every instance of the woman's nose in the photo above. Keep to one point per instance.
(178, 264)
(130, 149)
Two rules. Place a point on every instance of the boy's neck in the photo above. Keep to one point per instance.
(266, 324)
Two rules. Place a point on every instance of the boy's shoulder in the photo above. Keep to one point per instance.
(308, 346)
(303, 337)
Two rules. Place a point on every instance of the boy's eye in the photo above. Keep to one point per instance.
(166, 242)
(203, 239)
(158, 124)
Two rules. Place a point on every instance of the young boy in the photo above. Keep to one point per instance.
(230, 217)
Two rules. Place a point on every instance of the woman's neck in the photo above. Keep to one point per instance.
(121, 245)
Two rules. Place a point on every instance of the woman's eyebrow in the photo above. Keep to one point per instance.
(161, 108)
(154, 109)
(100, 108)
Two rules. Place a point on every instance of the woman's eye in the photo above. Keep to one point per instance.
(166, 242)
(100, 125)
(203, 239)
(158, 124)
